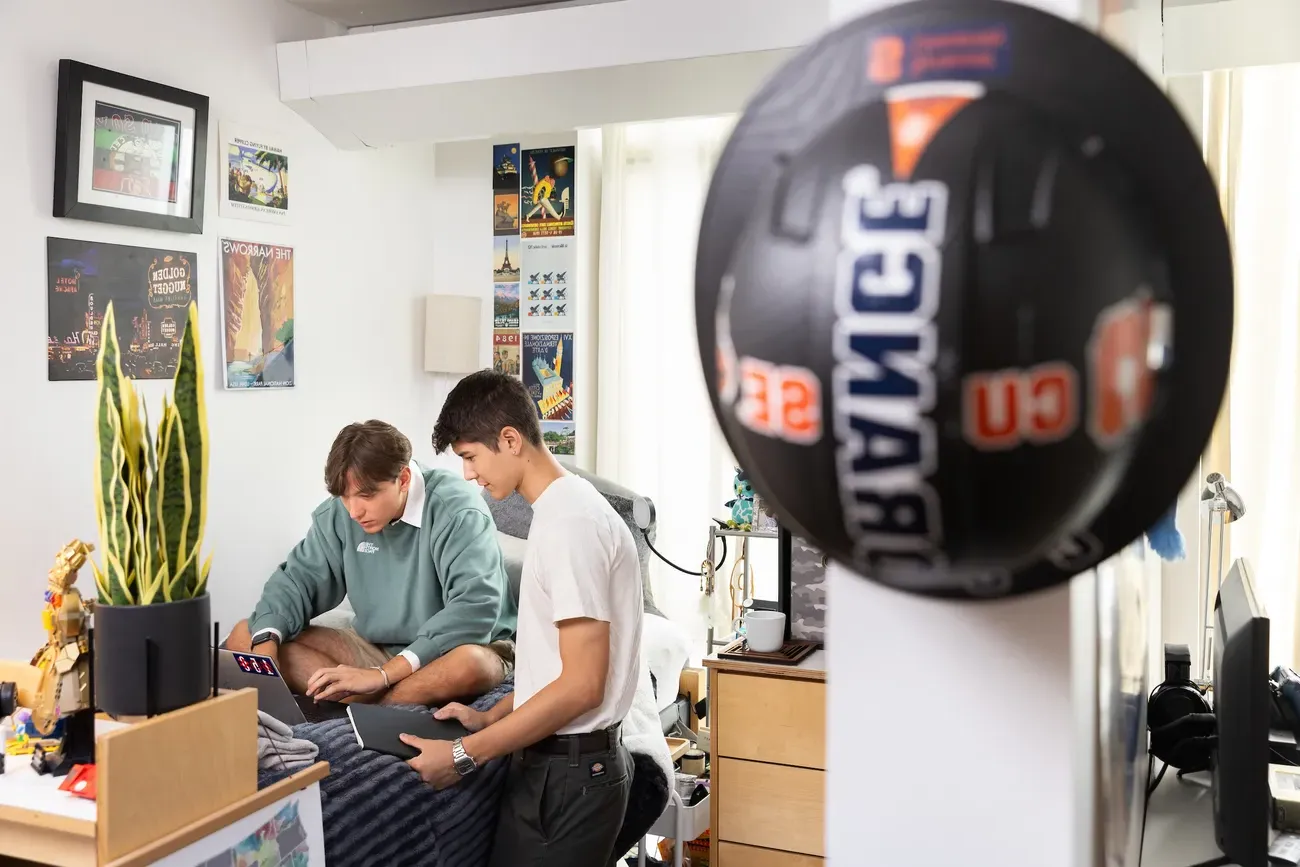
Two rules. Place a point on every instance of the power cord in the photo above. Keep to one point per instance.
(643, 515)
(695, 573)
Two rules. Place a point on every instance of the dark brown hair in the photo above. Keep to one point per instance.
(371, 452)
(481, 405)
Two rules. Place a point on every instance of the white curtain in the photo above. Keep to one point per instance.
(1263, 204)
(655, 430)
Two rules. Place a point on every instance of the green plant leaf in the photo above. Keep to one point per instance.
(108, 373)
(118, 541)
(203, 577)
(101, 583)
(191, 407)
(173, 496)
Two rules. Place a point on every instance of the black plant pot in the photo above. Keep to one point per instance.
(152, 659)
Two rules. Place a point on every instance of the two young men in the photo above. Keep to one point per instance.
(415, 552)
(579, 644)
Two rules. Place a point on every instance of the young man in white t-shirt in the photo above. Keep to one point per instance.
(577, 652)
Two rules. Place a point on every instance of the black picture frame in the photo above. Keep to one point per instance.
(69, 137)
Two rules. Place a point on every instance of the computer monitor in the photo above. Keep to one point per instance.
(1242, 704)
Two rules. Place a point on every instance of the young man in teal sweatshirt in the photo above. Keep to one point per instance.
(416, 554)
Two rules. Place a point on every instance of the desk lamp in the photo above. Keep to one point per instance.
(1224, 504)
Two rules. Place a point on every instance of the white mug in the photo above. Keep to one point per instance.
(765, 630)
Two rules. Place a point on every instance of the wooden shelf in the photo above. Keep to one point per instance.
(162, 783)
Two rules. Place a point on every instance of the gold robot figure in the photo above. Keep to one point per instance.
(64, 685)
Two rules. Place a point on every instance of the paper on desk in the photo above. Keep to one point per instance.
(1286, 847)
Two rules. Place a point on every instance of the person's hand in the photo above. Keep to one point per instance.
(474, 720)
(343, 681)
(434, 764)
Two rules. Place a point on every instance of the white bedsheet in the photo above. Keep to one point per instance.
(666, 651)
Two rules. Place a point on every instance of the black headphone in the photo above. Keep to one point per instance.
(1179, 716)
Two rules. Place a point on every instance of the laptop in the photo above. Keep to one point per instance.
(243, 670)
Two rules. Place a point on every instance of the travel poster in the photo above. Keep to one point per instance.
(548, 374)
(257, 297)
(150, 289)
(546, 195)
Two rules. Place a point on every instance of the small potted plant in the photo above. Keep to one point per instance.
(153, 621)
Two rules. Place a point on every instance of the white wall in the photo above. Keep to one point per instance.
(364, 235)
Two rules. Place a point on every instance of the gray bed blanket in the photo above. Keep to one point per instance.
(377, 810)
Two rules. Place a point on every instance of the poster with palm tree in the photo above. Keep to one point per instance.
(257, 176)
(257, 302)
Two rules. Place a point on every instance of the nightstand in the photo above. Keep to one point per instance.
(768, 748)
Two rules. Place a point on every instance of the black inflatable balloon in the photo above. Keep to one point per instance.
(971, 307)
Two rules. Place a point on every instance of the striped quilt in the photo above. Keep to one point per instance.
(378, 811)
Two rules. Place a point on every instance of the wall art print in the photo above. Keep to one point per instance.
(151, 290)
(258, 325)
(548, 374)
(546, 194)
(255, 183)
(129, 151)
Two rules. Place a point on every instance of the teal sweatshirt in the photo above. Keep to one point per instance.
(426, 589)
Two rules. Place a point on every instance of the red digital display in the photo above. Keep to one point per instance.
(256, 664)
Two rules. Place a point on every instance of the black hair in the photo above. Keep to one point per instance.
(480, 406)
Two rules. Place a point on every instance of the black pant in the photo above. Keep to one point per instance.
(562, 810)
(645, 803)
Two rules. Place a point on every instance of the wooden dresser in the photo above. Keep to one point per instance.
(767, 727)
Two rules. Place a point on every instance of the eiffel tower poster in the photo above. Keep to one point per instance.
(503, 270)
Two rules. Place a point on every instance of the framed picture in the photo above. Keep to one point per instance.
(255, 165)
(128, 151)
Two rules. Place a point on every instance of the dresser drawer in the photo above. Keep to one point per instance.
(736, 855)
(771, 806)
(770, 719)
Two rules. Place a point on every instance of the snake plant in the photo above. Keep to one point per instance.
(150, 487)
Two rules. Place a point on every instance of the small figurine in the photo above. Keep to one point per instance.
(63, 691)
(742, 508)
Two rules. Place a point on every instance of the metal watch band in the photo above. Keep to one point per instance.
(461, 760)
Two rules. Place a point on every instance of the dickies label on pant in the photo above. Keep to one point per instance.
(598, 769)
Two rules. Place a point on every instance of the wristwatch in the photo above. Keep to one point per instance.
(461, 760)
(264, 636)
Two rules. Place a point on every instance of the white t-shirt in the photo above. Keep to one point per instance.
(581, 562)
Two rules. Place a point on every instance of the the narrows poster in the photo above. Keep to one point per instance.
(257, 297)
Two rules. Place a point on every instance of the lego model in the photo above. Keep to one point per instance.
(63, 693)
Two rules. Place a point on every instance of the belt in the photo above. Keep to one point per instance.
(588, 742)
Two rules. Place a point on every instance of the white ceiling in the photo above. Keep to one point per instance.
(360, 13)
(478, 78)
